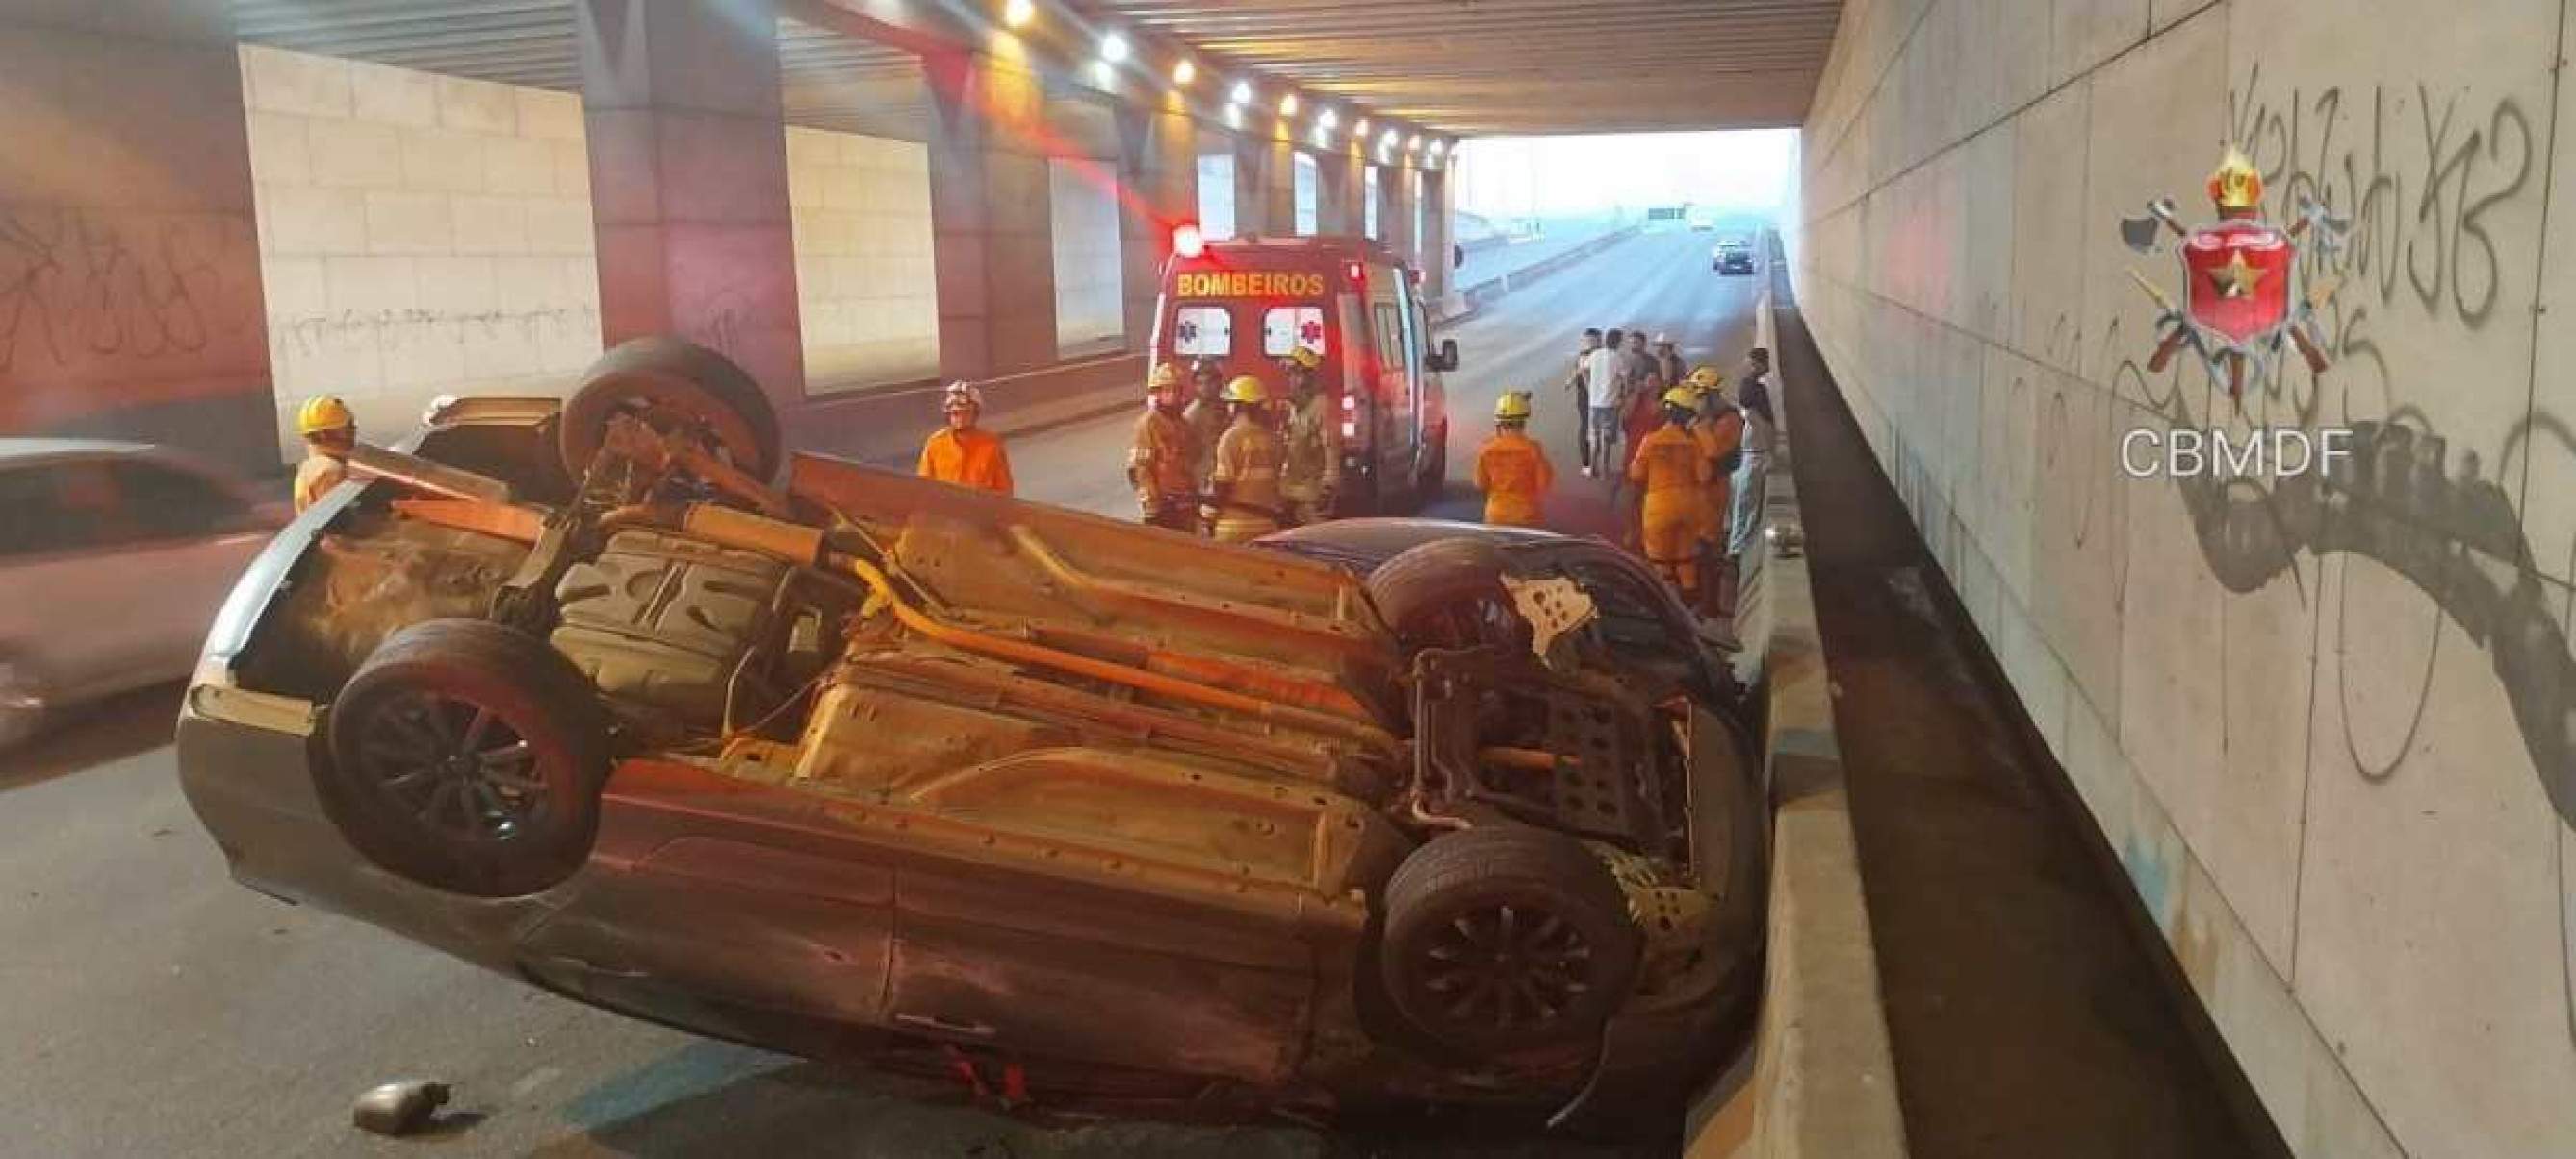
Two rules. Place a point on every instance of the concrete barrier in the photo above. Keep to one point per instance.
(1821, 1081)
(1470, 300)
(887, 424)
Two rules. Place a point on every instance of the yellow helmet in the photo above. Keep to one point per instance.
(1706, 378)
(1683, 397)
(1305, 358)
(1515, 404)
(324, 412)
(1165, 374)
(1246, 389)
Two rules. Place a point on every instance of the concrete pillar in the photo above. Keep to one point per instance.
(1159, 181)
(688, 179)
(130, 298)
(991, 216)
(1437, 232)
(1337, 201)
(1395, 222)
(1279, 188)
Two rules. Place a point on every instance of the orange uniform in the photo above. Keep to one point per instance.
(1248, 459)
(969, 458)
(1513, 472)
(315, 477)
(1718, 438)
(1672, 473)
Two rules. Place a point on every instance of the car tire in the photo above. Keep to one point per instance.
(1410, 590)
(1506, 939)
(673, 383)
(468, 756)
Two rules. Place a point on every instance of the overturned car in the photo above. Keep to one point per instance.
(860, 766)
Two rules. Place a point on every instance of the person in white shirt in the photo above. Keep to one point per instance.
(1605, 371)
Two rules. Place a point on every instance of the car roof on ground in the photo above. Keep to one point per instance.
(18, 450)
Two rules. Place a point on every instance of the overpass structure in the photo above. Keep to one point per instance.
(2315, 729)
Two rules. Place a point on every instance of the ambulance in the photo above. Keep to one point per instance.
(1248, 303)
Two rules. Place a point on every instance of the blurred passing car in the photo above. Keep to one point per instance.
(113, 558)
(869, 766)
(1732, 257)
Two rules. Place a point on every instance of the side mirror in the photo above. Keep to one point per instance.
(1447, 359)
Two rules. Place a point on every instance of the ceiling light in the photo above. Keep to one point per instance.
(1113, 48)
(1184, 72)
(1326, 119)
(1439, 147)
(1361, 129)
(1288, 105)
(1243, 92)
(1414, 144)
(1387, 141)
(1018, 12)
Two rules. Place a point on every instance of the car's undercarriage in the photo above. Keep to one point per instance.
(1471, 859)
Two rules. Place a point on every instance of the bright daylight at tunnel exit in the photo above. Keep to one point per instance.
(1734, 579)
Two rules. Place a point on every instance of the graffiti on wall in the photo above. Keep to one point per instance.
(2421, 175)
(80, 287)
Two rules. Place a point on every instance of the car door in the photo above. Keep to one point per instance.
(192, 536)
(55, 624)
(1392, 437)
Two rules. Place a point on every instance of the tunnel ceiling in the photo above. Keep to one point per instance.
(1522, 66)
(827, 80)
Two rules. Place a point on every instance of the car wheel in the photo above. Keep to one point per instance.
(22, 704)
(1503, 939)
(468, 756)
(1412, 590)
(673, 384)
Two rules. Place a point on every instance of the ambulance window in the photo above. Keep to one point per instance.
(1390, 338)
(1285, 328)
(1203, 332)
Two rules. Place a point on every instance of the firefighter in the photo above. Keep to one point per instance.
(1667, 359)
(963, 453)
(330, 432)
(1244, 483)
(1511, 468)
(1671, 475)
(1720, 431)
(1314, 443)
(1206, 415)
(1162, 462)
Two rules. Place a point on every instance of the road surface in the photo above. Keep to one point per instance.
(155, 1008)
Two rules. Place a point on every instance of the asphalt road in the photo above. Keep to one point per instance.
(149, 1006)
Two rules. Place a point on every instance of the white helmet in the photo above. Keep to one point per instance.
(959, 395)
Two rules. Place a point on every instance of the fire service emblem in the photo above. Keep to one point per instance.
(2244, 294)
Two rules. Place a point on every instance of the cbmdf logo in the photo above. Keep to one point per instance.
(2243, 292)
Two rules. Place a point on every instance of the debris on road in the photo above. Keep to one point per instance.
(399, 1108)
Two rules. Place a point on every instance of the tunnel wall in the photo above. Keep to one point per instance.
(1090, 281)
(867, 299)
(129, 277)
(2324, 730)
(419, 235)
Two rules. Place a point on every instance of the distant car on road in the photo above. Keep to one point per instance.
(1732, 257)
(115, 557)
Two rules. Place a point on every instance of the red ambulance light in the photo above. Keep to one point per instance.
(1188, 242)
(1357, 273)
